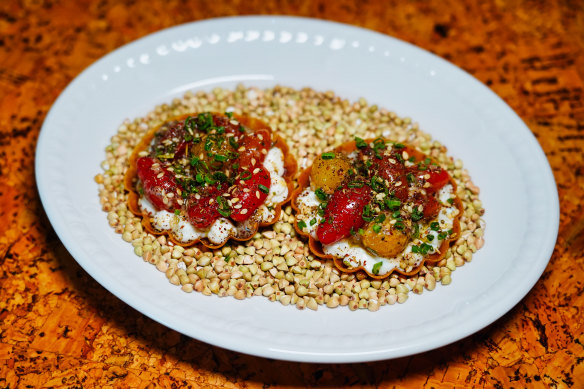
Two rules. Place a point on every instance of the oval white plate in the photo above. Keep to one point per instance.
(504, 159)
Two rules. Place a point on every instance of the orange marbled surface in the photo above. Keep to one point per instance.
(59, 328)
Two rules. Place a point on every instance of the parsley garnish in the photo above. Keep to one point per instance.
(264, 188)
(416, 214)
(224, 208)
(360, 143)
(376, 267)
(321, 195)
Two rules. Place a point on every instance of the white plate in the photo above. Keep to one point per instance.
(517, 186)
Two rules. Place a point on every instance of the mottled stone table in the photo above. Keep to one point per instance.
(59, 328)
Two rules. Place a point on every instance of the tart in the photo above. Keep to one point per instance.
(377, 207)
(209, 178)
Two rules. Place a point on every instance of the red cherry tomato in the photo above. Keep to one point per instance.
(343, 213)
(156, 186)
(438, 178)
(202, 211)
(174, 136)
(431, 207)
(394, 173)
(256, 145)
(252, 190)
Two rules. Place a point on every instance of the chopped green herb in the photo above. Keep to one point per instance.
(410, 178)
(224, 208)
(264, 188)
(399, 146)
(368, 214)
(355, 184)
(209, 180)
(376, 267)
(381, 218)
(220, 158)
(376, 228)
(435, 226)
(233, 143)
(416, 232)
(392, 204)
(220, 176)
(312, 222)
(189, 124)
(245, 175)
(361, 231)
(416, 214)
(229, 114)
(377, 184)
(321, 195)
(450, 201)
(430, 237)
(328, 155)
(360, 143)
(177, 212)
(425, 248)
(302, 224)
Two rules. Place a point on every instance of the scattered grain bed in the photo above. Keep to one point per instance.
(276, 263)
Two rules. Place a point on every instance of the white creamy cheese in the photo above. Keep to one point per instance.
(220, 231)
(307, 204)
(274, 164)
(357, 256)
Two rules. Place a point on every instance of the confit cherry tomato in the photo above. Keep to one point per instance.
(438, 178)
(202, 209)
(256, 145)
(251, 191)
(343, 213)
(395, 173)
(157, 184)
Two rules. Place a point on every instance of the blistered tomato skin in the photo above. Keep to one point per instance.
(156, 185)
(438, 178)
(394, 173)
(254, 147)
(343, 214)
(202, 211)
(252, 190)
